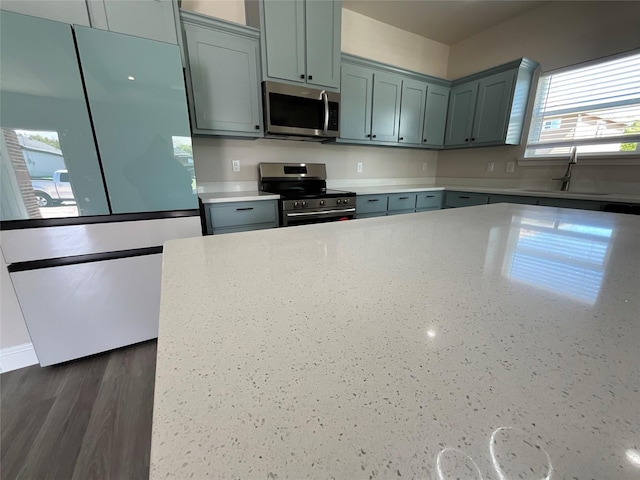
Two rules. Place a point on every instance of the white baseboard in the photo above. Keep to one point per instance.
(18, 356)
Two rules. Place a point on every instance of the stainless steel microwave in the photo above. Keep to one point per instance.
(300, 113)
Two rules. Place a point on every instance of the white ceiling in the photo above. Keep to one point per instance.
(447, 22)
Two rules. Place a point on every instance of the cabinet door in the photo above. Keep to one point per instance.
(492, 108)
(385, 113)
(224, 81)
(461, 108)
(323, 23)
(412, 111)
(45, 125)
(284, 39)
(153, 19)
(435, 116)
(135, 89)
(355, 102)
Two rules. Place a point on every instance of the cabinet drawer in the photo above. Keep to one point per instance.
(370, 204)
(513, 199)
(243, 213)
(370, 215)
(462, 199)
(402, 201)
(429, 200)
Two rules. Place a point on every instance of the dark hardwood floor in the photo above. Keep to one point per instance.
(87, 419)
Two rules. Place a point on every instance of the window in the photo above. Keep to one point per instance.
(595, 107)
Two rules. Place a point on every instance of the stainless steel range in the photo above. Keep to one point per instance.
(305, 198)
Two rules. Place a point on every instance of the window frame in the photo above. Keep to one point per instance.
(597, 159)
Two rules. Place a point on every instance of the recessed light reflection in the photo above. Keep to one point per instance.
(131, 77)
(431, 333)
(633, 456)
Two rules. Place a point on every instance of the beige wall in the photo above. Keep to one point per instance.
(214, 156)
(556, 34)
(231, 10)
(369, 38)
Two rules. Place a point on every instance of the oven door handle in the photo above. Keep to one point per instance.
(325, 97)
(324, 212)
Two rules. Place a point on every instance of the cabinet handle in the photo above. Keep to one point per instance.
(429, 196)
(473, 139)
(403, 198)
(368, 135)
(302, 76)
(466, 139)
(243, 209)
(401, 138)
(257, 127)
(424, 139)
(310, 77)
(373, 200)
(464, 197)
(373, 136)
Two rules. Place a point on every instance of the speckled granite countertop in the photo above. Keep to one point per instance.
(226, 197)
(497, 341)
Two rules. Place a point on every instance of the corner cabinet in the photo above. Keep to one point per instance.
(301, 40)
(488, 108)
(383, 105)
(223, 72)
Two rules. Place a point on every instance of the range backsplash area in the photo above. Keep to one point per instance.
(380, 165)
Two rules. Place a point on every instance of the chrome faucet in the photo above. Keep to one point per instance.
(566, 178)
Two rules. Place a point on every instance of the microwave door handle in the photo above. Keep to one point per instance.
(325, 97)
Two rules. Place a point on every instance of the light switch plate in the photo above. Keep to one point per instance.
(236, 165)
(511, 167)
(490, 166)
(359, 167)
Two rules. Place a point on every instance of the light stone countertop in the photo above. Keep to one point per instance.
(532, 192)
(228, 197)
(496, 340)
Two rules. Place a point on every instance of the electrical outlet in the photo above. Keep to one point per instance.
(511, 167)
(359, 167)
(490, 166)
(425, 166)
(236, 165)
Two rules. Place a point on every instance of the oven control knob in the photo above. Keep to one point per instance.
(322, 203)
(345, 201)
(339, 201)
(296, 204)
(304, 204)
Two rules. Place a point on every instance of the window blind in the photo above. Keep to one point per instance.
(594, 107)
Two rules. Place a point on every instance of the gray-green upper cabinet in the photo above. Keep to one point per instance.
(435, 116)
(300, 40)
(152, 19)
(222, 77)
(355, 107)
(385, 112)
(412, 107)
(460, 115)
(492, 108)
(488, 108)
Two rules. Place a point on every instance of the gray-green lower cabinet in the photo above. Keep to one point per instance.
(570, 203)
(426, 201)
(371, 206)
(401, 203)
(223, 77)
(240, 216)
(522, 200)
(465, 199)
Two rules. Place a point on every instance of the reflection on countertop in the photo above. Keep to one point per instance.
(563, 255)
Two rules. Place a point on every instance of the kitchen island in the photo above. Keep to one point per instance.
(496, 341)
